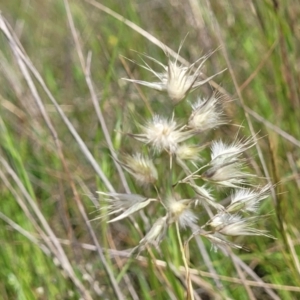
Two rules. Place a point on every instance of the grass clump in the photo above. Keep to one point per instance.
(71, 126)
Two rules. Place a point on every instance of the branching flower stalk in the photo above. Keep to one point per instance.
(183, 143)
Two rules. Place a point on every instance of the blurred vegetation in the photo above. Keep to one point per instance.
(261, 39)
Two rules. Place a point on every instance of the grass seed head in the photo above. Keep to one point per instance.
(141, 168)
(157, 232)
(176, 79)
(179, 210)
(227, 174)
(248, 200)
(163, 134)
(189, 152)
(222, 152)
(235, 225)
(207, 114)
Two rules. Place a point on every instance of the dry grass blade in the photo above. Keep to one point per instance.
(273, 127)
(23, 61)
(163, 264)
(184, 251)
(28, 213)
(138, 29)
(132, 210)
(103, 124)
(25, 233)
(256, 283)
(60, 254)
(207, 260)
(291, 245)
(252, 274)
(243, 279)
(86, 70)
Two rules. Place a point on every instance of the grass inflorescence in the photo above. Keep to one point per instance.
(195, 155)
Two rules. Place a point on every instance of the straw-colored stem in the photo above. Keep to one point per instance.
(190, 291)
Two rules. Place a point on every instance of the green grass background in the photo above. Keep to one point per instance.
(262, 42)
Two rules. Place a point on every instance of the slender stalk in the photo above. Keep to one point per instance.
(190, 290)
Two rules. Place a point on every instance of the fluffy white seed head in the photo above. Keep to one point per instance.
(187, 219)
(180, 80)
(222, 152)
(220, 242)
(204, 196)
(227, 174)
(226, 166)
(177, 80)
(141, 168)
(163, 134)
(156, 233)
(179, 210)
(189, 152)
(207, 114)
(124, 204)
(235, 225)
(119, 201)
(247, 199)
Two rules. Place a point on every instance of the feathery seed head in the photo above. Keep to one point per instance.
(207, 114)
(178, 210)
(180, 80)
(177, 80)
(227, 174)
(219, 241)
(226, 166)
(119, 201)
(187, 219)
(163, 134)
(204, 195)
(222, 152)
(156, 233)
(126, 204)
(189, 152)
(141, 168)
(247, 199)
(235, 225)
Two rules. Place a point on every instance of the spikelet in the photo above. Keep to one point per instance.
(175, 79)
